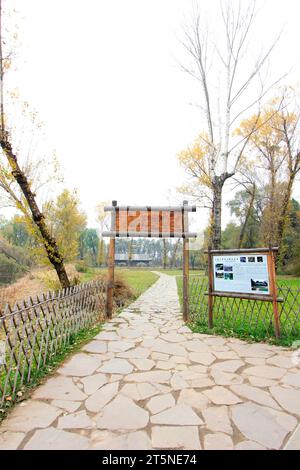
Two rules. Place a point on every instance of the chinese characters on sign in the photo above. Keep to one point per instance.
(243, 274)
(152, 222)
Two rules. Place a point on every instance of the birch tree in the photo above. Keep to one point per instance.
(231, 83)
(243, 206)
(175, 247)
(102, 218)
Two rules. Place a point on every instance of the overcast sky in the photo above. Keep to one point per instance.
(104, 77)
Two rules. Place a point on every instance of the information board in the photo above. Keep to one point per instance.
(243, 273)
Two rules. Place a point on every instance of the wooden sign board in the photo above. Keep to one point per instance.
(151, 222)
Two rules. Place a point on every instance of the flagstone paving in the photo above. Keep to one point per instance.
(147, 382)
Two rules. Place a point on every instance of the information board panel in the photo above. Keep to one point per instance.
(245, 273)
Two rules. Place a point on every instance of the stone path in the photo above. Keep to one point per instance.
(147, 382)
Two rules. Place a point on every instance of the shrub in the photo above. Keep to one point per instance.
(122, 291)
(81, 267)
(293, 268)
(10, 270)
(51, 282)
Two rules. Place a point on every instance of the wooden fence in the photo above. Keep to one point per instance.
(246, 317)
(36, 330)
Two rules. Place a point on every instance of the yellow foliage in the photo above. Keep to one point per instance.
(195, 160)
(66, 222)
(267, 129)
(50, 281)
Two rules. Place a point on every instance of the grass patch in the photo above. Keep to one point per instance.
(91, 274)
(138, 280)
(290, 281)
(242, 333)
(178, 272)
(245, 319)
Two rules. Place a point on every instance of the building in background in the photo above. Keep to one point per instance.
(122, 259)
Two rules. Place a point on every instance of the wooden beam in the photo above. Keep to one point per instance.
(113, 234)
(241, 251)
(235, 295)
(111, 275)
(152, 208)
(185, 279)
(185, 265)
(111, 278)
(273, 289)
(210, 290)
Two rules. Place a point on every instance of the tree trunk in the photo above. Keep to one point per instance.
(173, 259)
(251, 204)
(216, 231)
(101, 253)
(50, 245)
(130, 251)
(282, 221)
(272, 205)
(164, 254)
(216, 214)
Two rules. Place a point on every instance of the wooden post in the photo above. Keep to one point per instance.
(210, 288)
(185, 279)
(185, 266)
(111, 271)
(273, 291)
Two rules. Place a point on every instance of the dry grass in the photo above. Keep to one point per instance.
(49, 279)
(25, 287)
(123, 293)
(37, 281)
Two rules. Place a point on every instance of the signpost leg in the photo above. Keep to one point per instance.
(185, 279)
(111, 278)
(273, 286)
(210, 289)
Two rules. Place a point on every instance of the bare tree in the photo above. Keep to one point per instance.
(247, 179)
(165, 253)
(102, 218)
(174, 254)
(31, 207)
(231, 84)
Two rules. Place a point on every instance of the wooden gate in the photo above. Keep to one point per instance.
(150, 222)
